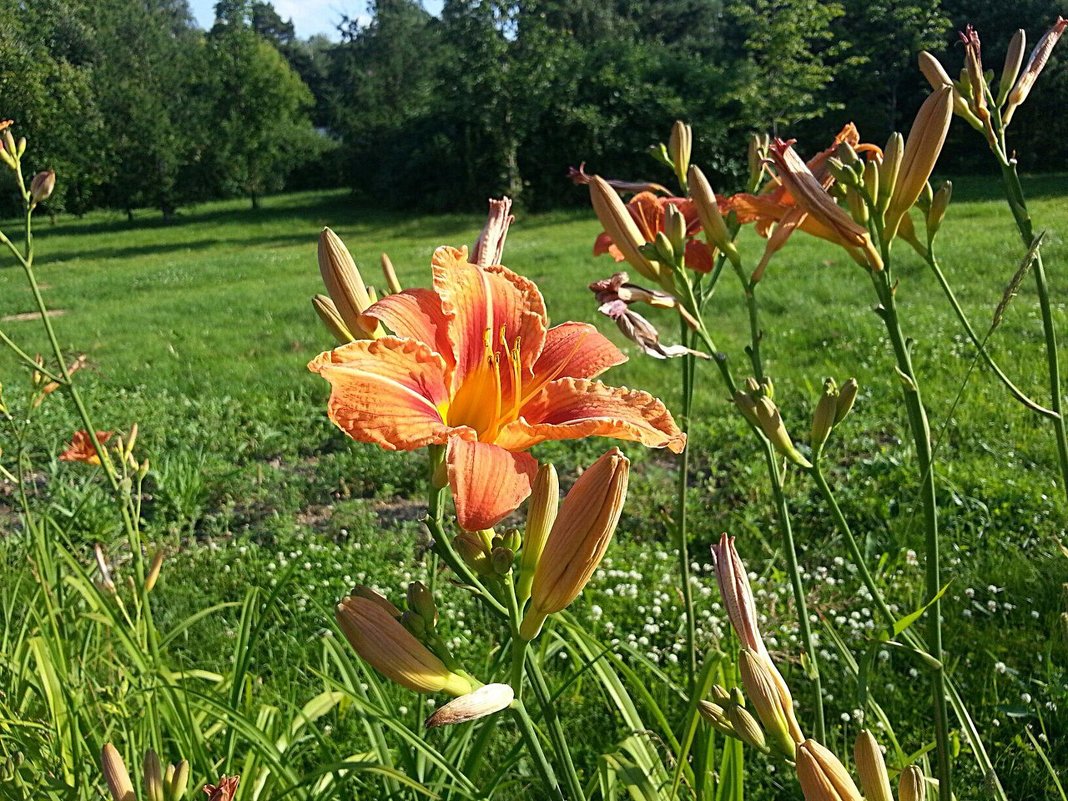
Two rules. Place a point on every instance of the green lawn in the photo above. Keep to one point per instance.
(200, 331)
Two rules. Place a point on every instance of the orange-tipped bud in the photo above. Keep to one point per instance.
(922, 149)
(362, 591)
(771, 700)
(708, 212)
(620, 226)
(382, 641)
(737, 595)
(42, 186)
(912, 786)
(116, 775)
(871, 767)
(486, 700)
(331, 318)
(680, 147)
(1013, 61)
(345, 286)
(822, 775)
(390, 274)
(541, 514)
(578, 539)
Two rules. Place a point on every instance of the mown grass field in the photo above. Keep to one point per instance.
(200, 330)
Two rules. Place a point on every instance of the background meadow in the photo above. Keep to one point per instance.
(199, 330)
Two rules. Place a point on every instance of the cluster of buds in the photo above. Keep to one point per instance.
(161, 783)
(11, 152)
(578, 536)
(973, 97)
(727, 713)
(833, 406)
(488, 553)
(45, 384)
(823, 777)
(675, 155)
(616, 295)
(756, 405)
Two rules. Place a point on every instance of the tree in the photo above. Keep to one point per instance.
(260, 126)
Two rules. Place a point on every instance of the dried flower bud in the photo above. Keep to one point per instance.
(489, 247)
(578, 539)
(486, 700)
(737, 595)
(42, 186)
(225, 790)
(116, 775)
(382, 641)
(1035, 64)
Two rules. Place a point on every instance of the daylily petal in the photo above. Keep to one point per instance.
(416, 314)
(487, 482)
(575, 350)
(484, 306)
(573, 408)
(387, 392)
(698, 256)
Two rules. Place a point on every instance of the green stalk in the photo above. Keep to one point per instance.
(552, 720)
(921, 434)
(682, 536)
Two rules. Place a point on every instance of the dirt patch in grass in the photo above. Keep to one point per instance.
(26, 316)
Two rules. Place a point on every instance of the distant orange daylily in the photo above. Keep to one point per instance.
(81, 447)
(648, 212)
(473, 365)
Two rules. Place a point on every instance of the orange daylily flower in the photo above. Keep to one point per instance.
(473, 365)
(81, 447)
(647, 210)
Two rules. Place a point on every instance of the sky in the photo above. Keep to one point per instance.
(310, 17)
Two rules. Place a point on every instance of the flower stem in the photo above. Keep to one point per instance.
(921, 434)
(682, 535)
(552, 721)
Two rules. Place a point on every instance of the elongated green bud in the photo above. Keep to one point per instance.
(708, 212)
(153, 777)
(847, 394)
(179, 782)
(766, 695)
(746, 728)
(822, 775)
(939, 204)
(421, 601)
(541, 514)
(823, 416)
(675, 228)
(1013, 61)
(895, 149)
(680, 147)
(717, 716)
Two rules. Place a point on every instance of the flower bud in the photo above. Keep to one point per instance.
(922, 149)
(502, 559)
(823, 417)
(153, 571)
(939, 204)
(771, 700)
(153, 777)
(770, 421)
(675, 227)
(42, 186)
(328, 313)
(578, 539)
(871, 767)
(362, 591)
(680, 147)
(390, 275)
(746, 728)
(719, 692)
(663, 250)
(912, 786)
(383, 642)
(737, 596)
(9, 143)
(486, 700)
(717, 716)
(414, 623)
(345, 286)
(1035, 64)
(1013, 61)
(116, 775)
(179, 782)
(758, 155)
(474, 552)
(421, 601)
(973, 69)
(620, 226)
(847, 394)
(822, 775)
(541, 514)
(704, 200)
(489, 247)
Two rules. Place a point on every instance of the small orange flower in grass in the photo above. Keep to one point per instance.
(648, 211)
(81, 447)
(473, 365)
